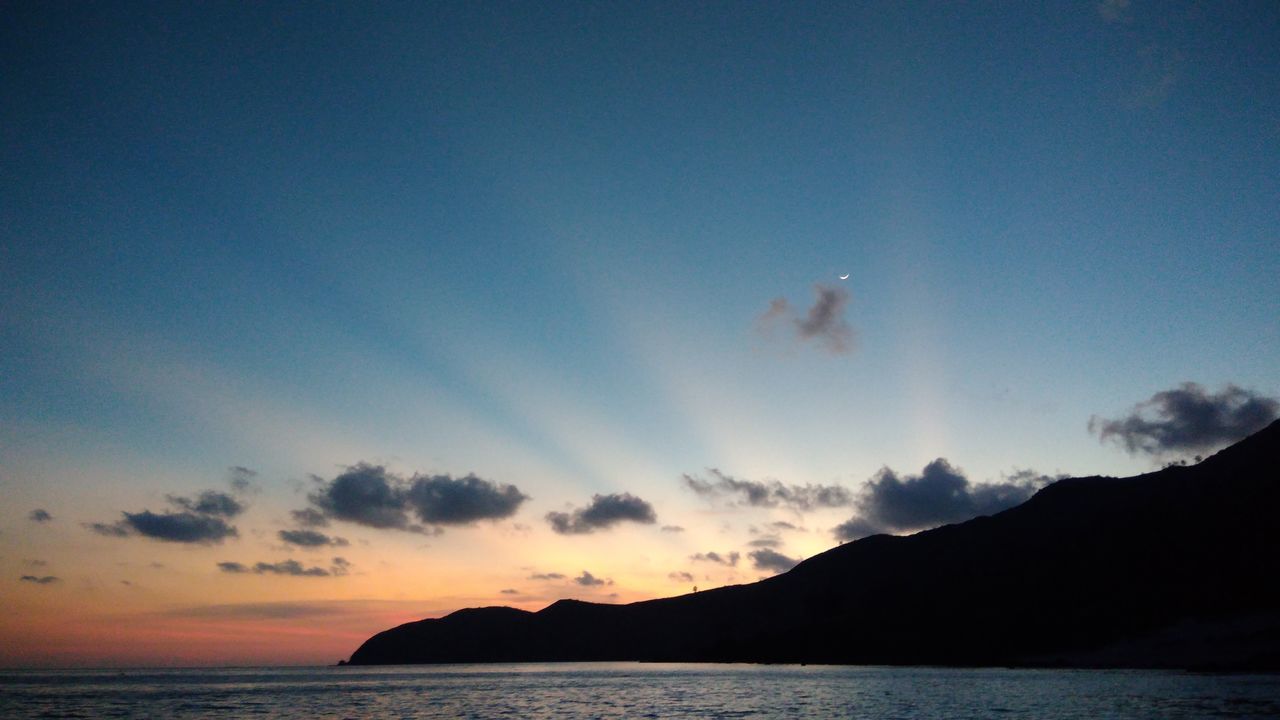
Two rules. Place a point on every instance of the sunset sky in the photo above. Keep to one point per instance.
(315, 319)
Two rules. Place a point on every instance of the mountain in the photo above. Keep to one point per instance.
(1175, 568)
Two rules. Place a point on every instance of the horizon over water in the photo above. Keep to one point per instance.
(627, 690)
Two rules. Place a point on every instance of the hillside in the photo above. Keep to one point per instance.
(1175, 568)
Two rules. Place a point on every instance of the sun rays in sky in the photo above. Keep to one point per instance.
(558, 291)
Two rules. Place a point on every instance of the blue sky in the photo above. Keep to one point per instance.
(538, 243)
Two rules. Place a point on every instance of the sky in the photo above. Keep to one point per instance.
(320, 318)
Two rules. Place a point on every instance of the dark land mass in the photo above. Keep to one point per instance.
(1178, 568)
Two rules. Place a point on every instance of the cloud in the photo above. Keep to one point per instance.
(42, 580)
(823, 323)
(940, 494)
(242, 479)
(202, 520)
(547, 576)
(370, 495)
(39, 515)
(291, 568)
(442, 500)
(767, 541)
(255, 611)
(366, 495)
(209, 502)
(1115, 11)
(604, 511)
(311, 538)
(309, 517)
(768, 493)
(672, 529)
(1188, 418)
(112, 530)
(730, 559)
(179, 527)
(772, 560)
(586, 579)
(509, 591)
(680, 577)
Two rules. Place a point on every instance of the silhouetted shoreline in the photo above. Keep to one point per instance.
(1171, 569)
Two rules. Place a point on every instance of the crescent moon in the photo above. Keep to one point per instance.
(844, 277)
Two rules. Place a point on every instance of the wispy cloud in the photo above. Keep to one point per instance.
(1115, 11)
(729, 559)
(767, 493)
(40, 580)
(311, 538)
(823, 323)
(293, 568)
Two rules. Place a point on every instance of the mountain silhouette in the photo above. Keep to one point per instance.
(1174, 568)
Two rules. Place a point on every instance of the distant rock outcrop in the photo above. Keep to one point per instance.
(1175, 568)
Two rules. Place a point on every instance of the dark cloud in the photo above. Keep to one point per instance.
(311, 538)
(291, 568)
(603, 512)
(202, 520)
(209, 502)
(680, 577)
(547, 576)
(1188, 418)
(442, 500)
(309, 517)
(39, 515)
(730, 559)
(822, 323)
(242, 478)
(370, 495)
(771, 560)
(180, 527)
(42, 580)
(783, 525)
(509, 591)
(767, 493)
(940, 494)
(767, 541)
(366, 495)
(672, 529)
(586, 579)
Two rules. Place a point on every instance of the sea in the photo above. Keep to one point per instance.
(634, 690)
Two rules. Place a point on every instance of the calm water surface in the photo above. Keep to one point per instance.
(632, 690)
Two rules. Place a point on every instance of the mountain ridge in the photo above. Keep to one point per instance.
(1095, 571)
